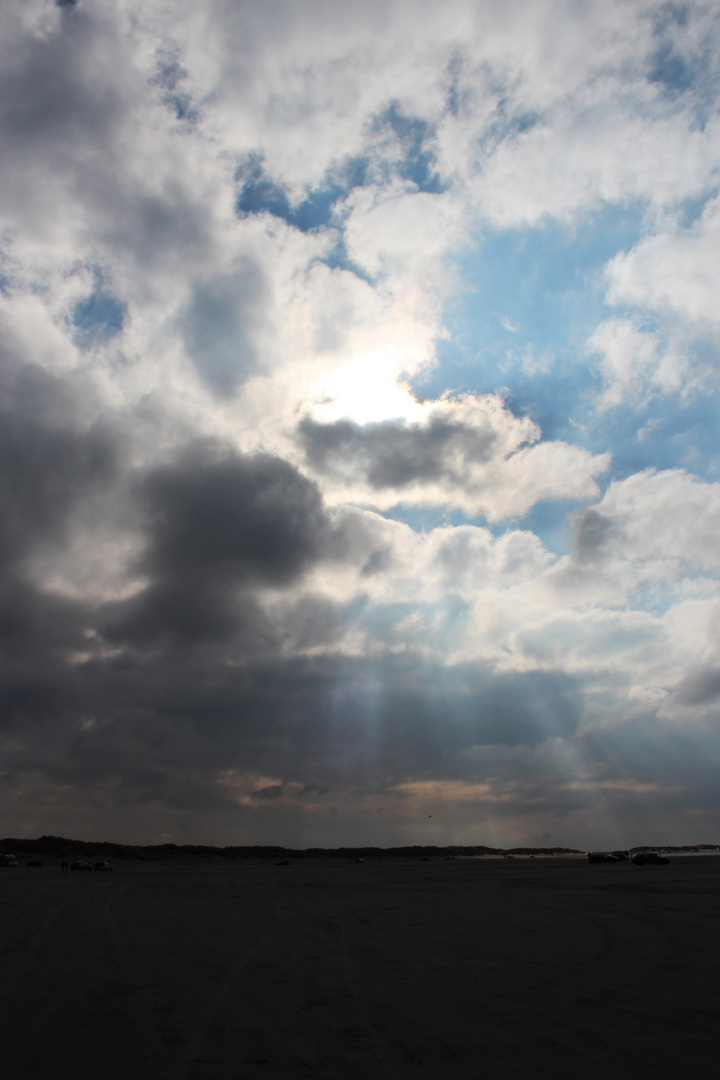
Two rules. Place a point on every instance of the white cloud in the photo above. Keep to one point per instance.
(677, 269)
(665, 523)
(403, 234)
(636, 363)
(587, 156)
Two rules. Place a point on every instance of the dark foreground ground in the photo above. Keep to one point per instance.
(468, 969)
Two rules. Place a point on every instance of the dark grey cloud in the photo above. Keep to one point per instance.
(251, 516)
(218, 526)
(699, 687)
(395, 453)
(52, 97)
(270, 791)
(53, 465)
(37, 624)
(219, 323)
(49, 460)
(185, 609)
(679, 760)
(153, 229)
(322, 723)
(593, 534)
(312, 621)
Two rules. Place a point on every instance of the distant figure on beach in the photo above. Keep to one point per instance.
(64, 865)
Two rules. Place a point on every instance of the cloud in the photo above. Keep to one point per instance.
(217, 526)
(663, 523)
(396, 454)
(234, 241)
(699, 687)
(637, 364)
(303, 721)
(676, 268)
(469, 452)
(51, 461)
(218, 326)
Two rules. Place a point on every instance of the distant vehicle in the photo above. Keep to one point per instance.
(81, 865)
(649, 858)
(601, 856)
(104, 865)
(34, 862)
(8, 860)
(283, 862)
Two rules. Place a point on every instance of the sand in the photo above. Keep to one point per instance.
(392, 969)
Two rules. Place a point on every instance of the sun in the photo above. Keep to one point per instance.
(365, 389)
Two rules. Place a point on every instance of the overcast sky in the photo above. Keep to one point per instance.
(359, 437)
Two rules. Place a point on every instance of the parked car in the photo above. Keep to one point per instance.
(649, 858)
(103, 865)
(81, 865)
(8, 860)
(601, 856)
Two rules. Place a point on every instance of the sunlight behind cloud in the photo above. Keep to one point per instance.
(366, 389)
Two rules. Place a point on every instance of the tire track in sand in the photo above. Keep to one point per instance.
(157, 1038)
(192, 1051)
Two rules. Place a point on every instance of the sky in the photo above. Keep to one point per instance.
(358, 450)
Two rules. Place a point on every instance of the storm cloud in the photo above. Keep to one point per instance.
(216, 528)
(51, 459)
(392, 453)
(217, 325)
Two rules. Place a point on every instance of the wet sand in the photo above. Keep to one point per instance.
(387, 969)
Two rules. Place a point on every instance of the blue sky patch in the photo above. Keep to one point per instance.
(170, 76)
(260, 194)
(671, 69)
(97, 319)
(530, 300)
(413, 134)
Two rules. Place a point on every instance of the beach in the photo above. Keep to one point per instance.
(339, 970)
